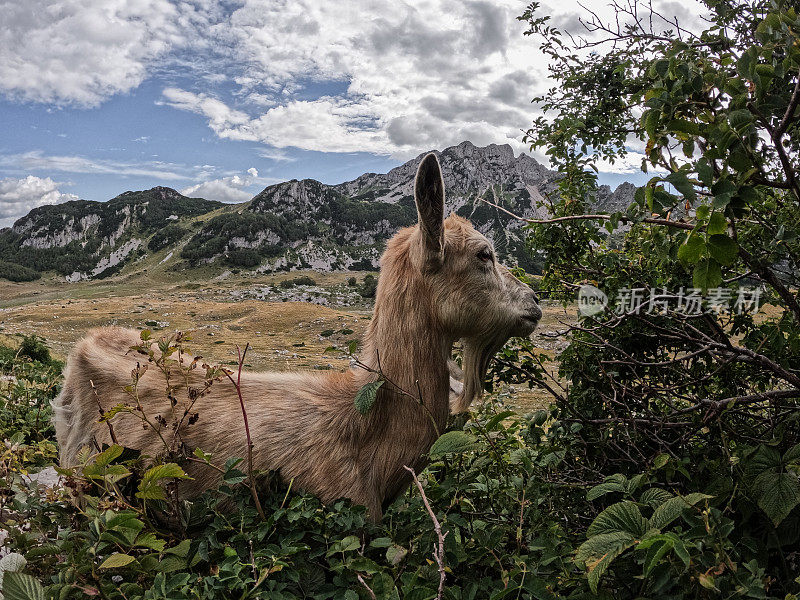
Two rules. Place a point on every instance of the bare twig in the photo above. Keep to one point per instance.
(622, 218)
(238, 385)
(438, 552)
(788, 116)
(102, 413)
(403, 393)
(369, 589)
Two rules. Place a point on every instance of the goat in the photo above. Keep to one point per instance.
(440, 281)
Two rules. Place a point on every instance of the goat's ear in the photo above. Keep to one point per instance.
(429, 195)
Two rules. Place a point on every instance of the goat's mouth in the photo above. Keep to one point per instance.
(532, 316)
(528, 322)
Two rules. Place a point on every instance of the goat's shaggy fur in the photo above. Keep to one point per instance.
(439, 283)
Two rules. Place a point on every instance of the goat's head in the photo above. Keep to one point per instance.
(472, 296)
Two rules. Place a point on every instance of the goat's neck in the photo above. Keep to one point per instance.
(405, 345)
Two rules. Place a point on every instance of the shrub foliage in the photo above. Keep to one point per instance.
(668, 464)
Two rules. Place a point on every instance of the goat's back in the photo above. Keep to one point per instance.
(98, 359)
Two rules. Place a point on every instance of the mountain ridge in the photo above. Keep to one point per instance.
(295, 224)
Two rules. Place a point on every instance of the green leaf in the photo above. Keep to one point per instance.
(234, 476)
(659, 547)
(690, 252)
(682, 184)
(598, 552)
(599, 545)
(672, 509)
(21, 586)
(346, 544)
(117, 560)
(660, 67)
(108, 455)
(649, 121)
(717, 224)
(766, 458)
(704, 172)
(493, 422)
(740, 120)
(149, 540)
(395, 553)
(367, 395)
(620, 517)
(167, 470)
(363, 564)
(707, 274)
(181, 549)
(612, 483)
(660, 461)
(170, 564)
(778, 494)
(202, 455)
(723, 249)
(655, 497)
(723, 190)
(707, 581)
(792, 455)
(110, 414)
(111, 473)
(684, 126)
(149, 488)
(451, 441)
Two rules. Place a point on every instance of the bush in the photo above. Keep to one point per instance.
(243, 258)
(18, 273)
(364, 264)
(212, 240)
(33, 347)
(25, 395)
(369, 287)
(696, 402)
(166, 236)
(302, 280)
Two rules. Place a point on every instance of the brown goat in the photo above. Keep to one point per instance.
(440, 282)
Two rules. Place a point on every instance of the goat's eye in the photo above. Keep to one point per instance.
(485, 255)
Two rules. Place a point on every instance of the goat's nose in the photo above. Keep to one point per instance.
(536, 312)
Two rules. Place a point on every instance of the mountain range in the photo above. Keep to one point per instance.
(291, 225)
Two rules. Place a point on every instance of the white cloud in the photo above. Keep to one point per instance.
(81, 52)
(36, 160)
(422, 75)
(228, 189)
(321, 76)
(419, 76)
(274, 154)
(20, 196)
(630, 163)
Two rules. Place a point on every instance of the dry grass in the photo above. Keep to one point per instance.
(282, 335)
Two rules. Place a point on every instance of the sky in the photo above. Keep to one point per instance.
(219, 99)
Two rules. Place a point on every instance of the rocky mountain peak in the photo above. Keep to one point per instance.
(296, 224)
(294, 197)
